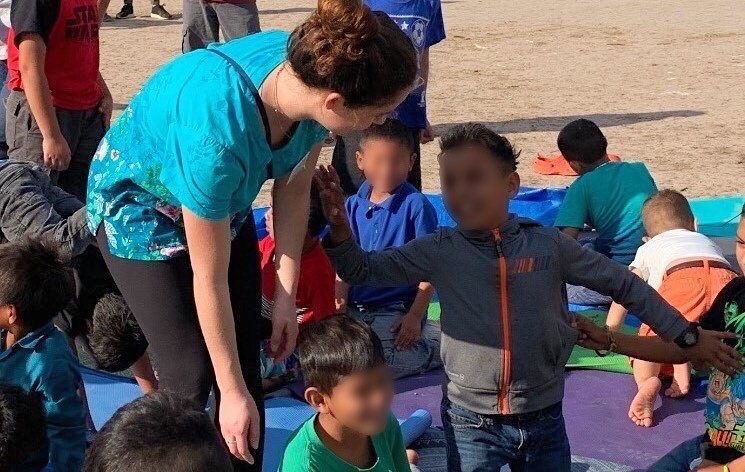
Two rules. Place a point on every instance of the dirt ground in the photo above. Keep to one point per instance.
(664, 79)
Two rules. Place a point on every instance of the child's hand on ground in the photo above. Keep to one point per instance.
(591, 336)
(332, 202)
(409, 329)
(710, 352)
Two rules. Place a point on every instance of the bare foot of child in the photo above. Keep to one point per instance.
(681, 382)
(642, 406)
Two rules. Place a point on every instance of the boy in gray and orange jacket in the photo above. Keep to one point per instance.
(506, 333)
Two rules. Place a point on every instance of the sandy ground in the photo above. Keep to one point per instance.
(664, 79)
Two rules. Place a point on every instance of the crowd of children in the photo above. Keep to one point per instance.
(372, 258)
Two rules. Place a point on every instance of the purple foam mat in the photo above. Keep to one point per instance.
(596, 406)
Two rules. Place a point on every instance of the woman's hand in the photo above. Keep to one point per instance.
(284, 329)
(240, 424)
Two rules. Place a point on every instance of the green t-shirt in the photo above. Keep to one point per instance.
(609, 198)
(306, 453)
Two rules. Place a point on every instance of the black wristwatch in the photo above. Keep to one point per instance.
(689, 337)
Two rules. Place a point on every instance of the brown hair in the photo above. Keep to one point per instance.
(667, 210)
(346, 48)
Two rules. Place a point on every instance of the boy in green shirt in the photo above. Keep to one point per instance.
(349, 385)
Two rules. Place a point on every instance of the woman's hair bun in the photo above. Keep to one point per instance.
(346, 27)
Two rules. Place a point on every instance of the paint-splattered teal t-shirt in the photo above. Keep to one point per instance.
(192, 137)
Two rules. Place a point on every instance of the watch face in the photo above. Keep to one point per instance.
(689, 339)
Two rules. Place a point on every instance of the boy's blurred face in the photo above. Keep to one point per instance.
(740, 244)
(476, 187)
(362, 401)
(385, 162)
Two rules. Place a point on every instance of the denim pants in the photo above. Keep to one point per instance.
(423, 357)
(203, 22)
(532, 442)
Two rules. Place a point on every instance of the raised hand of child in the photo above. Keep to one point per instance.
(332, 202)
(711, 353)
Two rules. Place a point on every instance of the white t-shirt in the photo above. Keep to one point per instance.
(671, 248)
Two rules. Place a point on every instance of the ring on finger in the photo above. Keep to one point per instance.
(231, 441)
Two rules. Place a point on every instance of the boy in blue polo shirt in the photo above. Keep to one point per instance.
(422, 22)
(34, 354)
(386, 212)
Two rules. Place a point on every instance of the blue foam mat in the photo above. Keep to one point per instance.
(108, 392)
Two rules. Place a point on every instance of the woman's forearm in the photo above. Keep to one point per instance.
(209, 250)
(291, 201)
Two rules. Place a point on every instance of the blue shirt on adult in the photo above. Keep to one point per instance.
(42, 362)
(609, 198)
(405, 215)
(192, 138)
(422, 21)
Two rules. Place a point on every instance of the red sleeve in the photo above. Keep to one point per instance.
(316, 289)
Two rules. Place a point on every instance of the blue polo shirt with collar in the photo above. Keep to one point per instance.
(404, 216)
(42, 362)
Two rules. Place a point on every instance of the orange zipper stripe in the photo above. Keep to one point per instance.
(503, 403)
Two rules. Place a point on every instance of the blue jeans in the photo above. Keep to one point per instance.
(680, 458)
(423, 357)
(532, 442)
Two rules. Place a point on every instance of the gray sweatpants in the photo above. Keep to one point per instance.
(203, 21)
(83, 131)
(423, 357)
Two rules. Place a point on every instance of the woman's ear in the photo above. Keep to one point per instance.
(333, 102)
(316, 399)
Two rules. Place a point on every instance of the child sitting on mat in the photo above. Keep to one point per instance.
(315, 290)
(160, 431)
(505, 325)
(23, 433)
(606, 196)
(387, 211)
(349, 385)
(688, 270)
(34, 354)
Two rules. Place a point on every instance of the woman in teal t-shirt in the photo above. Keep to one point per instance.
(171, 187)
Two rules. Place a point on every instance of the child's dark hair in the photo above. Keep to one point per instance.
(476, 134)
(336, 347)
(346, 48)
(316, 220)
(392, 130)
(116, 340)
(34, 278)
(582, 141)
(667, 210)
(22, 426)
(160, 431)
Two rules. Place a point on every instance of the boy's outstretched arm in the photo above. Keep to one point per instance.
(406, 265)
(581, 266)
(646, 348)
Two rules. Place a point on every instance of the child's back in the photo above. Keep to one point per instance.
(609, 199)
(607, 195)
(34, 354)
